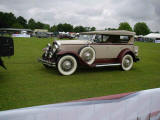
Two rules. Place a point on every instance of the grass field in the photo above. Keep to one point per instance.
(27, 83)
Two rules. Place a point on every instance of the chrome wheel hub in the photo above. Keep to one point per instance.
(67, 65)
(127, 62)
(87, 56)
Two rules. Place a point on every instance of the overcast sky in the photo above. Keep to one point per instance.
(99, 13)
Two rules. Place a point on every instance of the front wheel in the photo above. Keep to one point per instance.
(127, 62)
(67, 65)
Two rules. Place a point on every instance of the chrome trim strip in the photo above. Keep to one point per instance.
(103, 65)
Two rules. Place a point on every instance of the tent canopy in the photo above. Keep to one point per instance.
(152, 35)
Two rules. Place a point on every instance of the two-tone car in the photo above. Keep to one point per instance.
(92, 49)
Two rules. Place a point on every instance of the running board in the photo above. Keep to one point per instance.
(104, 65)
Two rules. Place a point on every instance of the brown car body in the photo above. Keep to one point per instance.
(109, 50)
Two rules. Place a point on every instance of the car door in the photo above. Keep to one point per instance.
(108, 46)
(104, 48)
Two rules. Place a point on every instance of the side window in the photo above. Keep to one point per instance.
(105, 38)
(98, 39)
(124, 39)
(115, 39)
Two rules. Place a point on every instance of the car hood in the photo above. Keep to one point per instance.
(61, 42)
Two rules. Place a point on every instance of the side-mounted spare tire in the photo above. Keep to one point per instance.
(88, 55)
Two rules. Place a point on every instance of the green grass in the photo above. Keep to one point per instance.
(28, 83)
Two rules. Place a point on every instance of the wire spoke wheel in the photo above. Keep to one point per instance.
(67, 65)
(127, 62)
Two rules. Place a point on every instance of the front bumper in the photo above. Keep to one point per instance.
(46, 62)
(136, 59)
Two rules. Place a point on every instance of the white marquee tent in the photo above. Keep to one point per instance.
(155, 37)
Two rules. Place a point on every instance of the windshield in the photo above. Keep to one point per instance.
(86, 37)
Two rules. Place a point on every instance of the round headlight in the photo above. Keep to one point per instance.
(56, 46)
(49, 45)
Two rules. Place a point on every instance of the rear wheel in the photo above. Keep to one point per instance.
(127, 62)
(67, 65)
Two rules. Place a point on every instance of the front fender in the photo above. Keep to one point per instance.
(124, 52)
(61, 53)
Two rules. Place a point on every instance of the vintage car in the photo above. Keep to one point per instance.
(92, 49)
(6, 48)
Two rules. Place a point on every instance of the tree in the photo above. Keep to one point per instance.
(46, 26)
(67, 27)
(79, 29)
(53, 28)
(7, 20)
(141, 28)
(32, 24)
(22, 21)
(110, 29)
(60, 27)
(64, 27)
(125, 26)
(87, 29)
(39, 25)
(17, 25)
(93, 29)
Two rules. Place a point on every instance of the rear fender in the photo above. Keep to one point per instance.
(123, 53)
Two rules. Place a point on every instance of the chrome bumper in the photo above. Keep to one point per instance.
(137, 59)
(48, 63)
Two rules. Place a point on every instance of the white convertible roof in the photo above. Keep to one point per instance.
(111, 32)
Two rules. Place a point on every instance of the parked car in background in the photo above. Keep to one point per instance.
(93, 49)
(42, 35)
(67, 35)
(6, 48)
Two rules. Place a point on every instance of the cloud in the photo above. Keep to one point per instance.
(98, 13)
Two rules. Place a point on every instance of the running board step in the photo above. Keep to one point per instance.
(103, 65)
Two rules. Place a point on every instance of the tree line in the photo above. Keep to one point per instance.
(9, 20)
(140, 28)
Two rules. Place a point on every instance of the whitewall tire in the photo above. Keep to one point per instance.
(88, 55)
(127, 62)
(67, 65)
